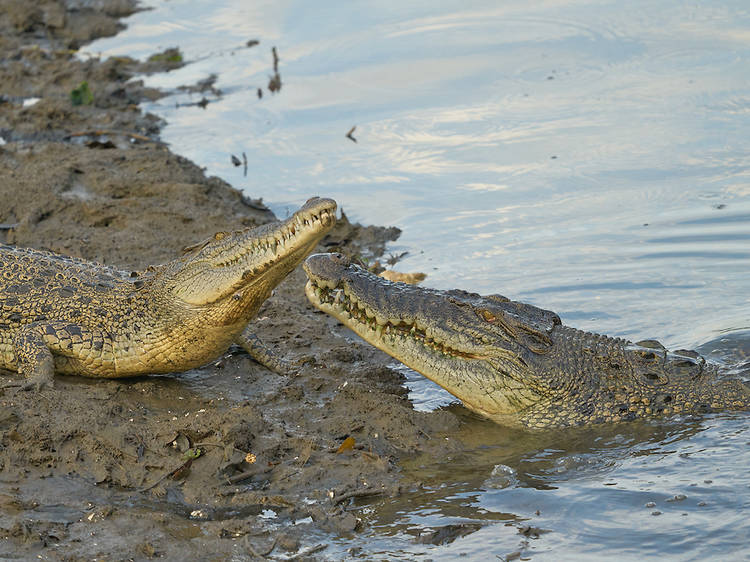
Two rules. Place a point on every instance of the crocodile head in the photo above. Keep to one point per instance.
(515, 363)
(242, 267)
(475, 347)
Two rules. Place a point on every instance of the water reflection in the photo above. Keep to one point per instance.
(576, 486)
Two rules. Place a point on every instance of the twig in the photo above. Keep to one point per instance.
(290, 475)
(221, 445)
(155, 484)
(252, 551)
(308, 551)
(243, 476)
(359, 493)
(167, 475)
(270, 549)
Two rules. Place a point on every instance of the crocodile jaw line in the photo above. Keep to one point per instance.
(343, 305)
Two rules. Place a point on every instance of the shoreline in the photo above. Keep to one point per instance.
(93, 181)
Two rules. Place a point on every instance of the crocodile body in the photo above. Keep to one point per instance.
(66, 315)
(515, 363)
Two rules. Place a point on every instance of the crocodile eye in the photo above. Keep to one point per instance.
(487, 315)
(220, 235)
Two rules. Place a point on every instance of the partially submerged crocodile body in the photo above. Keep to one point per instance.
(66, 315)
(514, 363)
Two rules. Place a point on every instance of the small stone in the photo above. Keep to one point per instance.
(146, 549)
(346, 523)
(288, 542)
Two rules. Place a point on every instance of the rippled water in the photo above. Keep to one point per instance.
(589, 157)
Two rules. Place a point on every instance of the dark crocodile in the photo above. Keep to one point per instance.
(76, 317)
(515, 363)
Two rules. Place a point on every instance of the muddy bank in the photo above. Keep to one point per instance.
(108, 469)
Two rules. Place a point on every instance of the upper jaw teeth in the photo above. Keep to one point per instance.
(290, 231)
(333, 295)
(323, 218)
(282, 238)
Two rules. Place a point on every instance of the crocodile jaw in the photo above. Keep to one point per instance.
(485, 376)
(248, 263)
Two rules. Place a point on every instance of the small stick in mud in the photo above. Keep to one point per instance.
(358, 493)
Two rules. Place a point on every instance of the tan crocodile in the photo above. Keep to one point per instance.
(66, 315)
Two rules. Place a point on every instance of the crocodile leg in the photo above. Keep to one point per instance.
(263, 354)
(36, 345)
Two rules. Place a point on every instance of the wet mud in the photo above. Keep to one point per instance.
(229, 460)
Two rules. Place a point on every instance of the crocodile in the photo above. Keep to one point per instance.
(514, 363)
(71, 316)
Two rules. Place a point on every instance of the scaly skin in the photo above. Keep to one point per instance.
(514, 363)
(76, 317)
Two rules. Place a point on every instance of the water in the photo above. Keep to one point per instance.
(644, 490)
(592, 158)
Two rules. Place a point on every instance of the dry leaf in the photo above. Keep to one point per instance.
(347, 445)
(411, 278)
(182, 471)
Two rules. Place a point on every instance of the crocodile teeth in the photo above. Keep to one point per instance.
(366, 317)
(339, 298)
